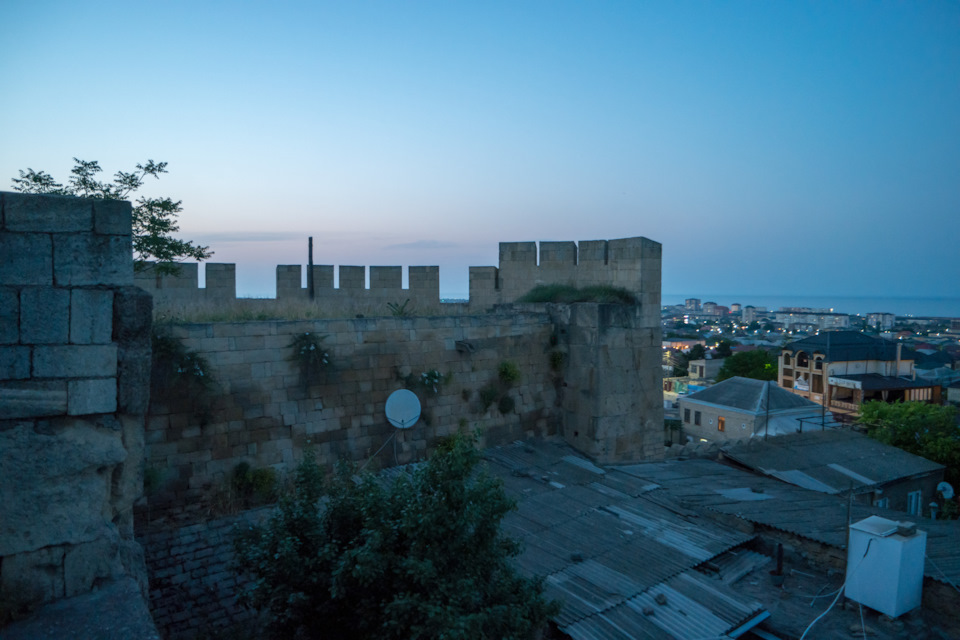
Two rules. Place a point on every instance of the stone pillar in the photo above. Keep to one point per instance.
(74, 385)
(612, 393)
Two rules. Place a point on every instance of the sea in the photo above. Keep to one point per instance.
(945, 307)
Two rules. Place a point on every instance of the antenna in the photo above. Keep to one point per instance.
(403, 409)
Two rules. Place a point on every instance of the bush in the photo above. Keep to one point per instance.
(508, 373)
(569, 294)
(506, 405)
(422, 557)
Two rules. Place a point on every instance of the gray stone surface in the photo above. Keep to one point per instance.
(27, 259)
(115, 611)
(112, 217)
(9, 315)
(75, 361)
(91, 316)
(65, 465)
(85, 259)
(44, 315)
(50, 214)
(95, 395)
(14, 363)
(32, 398)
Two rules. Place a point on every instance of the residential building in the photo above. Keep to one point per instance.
(705, 368)
(880, 320)
(847, 368)
(794, 320)
(742, 408)
(692, 304)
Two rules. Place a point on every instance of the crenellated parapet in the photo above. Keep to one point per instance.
(630, 263)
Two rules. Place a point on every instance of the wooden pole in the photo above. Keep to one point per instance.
(310, 268)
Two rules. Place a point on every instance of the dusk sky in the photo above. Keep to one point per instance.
(785, 148)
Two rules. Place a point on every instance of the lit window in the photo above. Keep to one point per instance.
(721, 423)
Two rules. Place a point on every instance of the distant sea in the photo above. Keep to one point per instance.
(938, 307)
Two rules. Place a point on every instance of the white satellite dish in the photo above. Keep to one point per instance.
(403, 409)
(945, 489)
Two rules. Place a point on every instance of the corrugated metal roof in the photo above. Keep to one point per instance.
(598, 540)
(809, 514)
(829, 461)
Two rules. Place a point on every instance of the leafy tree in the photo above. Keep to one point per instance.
(757, 364)
(725, 348)
(154, 219)
(697, 352)
(923, 429)
(422, 557)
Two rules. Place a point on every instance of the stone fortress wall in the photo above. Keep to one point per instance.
(631, 263)
(74, 388)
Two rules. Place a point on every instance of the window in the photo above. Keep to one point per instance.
(721, 423)
(913, 502)
(818, 363)
(802, 359)
(786, 359)
(686, 416)
(696, 418)
(883, 503)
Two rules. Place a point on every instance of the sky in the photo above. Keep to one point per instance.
(772, 148)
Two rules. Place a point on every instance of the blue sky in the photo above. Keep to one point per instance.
(773, 148)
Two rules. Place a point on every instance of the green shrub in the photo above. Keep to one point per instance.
(557, 360)
(420, 557)
(508, 373)
(488, 395)
(181, 376)
(310, 354)
(506, 405)
(569, 294)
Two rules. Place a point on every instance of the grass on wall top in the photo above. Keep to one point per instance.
(569, 294)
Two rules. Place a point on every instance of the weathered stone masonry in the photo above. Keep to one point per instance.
(74, 388)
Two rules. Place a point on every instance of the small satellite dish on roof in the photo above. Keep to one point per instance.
(945, 489)
(403, 409)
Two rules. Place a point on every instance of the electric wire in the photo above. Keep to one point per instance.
(379, 450)
(935, 566)
(839, 591)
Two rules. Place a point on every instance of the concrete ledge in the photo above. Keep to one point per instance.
(117, 611)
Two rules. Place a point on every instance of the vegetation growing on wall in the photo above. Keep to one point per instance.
(181, 376)
(401, 309)
(422, 557)
(569, 294)
(310, 354)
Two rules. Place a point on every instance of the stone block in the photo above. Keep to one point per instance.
(133, 379)
(14, 363)
(47, 214)
(75, 361)
(26, 259)
(132, 316)
(9, 315)
(98, 395)
(91, 316)
(86, 563)
(87, 259)
(31, 398)
(34, 576)
(44, 315)
(112, 217)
